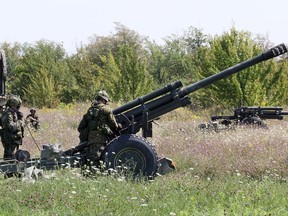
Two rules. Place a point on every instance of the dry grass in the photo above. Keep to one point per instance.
(57, 126)
(254, 152)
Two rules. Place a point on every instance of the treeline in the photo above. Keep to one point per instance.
(128, 65)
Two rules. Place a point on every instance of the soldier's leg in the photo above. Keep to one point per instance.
(9, 150)
(91, 152)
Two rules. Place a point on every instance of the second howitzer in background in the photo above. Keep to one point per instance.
(252, 115)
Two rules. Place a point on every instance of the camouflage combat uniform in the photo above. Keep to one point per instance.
(33, 119)
(96, 127)
(12, 131)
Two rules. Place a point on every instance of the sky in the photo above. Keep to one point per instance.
(73, 22)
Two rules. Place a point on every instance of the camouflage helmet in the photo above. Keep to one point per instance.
(103, 95)
(32, 110)
(13, 101)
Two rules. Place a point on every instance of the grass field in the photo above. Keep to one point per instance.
(236, 172)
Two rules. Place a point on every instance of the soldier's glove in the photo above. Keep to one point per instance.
(19, 115)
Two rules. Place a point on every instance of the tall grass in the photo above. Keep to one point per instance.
(70, 194)
(241, 172)
(250, 151)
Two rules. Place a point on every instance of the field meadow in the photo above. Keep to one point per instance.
(232, 172)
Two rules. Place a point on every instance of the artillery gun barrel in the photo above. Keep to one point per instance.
(270, 114)
(148, 97)
(271, 53)
(264, 108)
(284, 113)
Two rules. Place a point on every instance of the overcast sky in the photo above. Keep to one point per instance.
(72, 22)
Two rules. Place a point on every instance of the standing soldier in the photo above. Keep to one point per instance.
(97, 126)
(12, 127)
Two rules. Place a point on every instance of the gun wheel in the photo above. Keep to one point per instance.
(22, 155)
(132, 154)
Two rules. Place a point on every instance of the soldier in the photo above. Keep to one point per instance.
(12, 127)
(33, 119)
(97, 126)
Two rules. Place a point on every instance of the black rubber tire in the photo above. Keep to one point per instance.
(132, 152)
(22, 155)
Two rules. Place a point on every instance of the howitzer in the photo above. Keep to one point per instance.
(137, 153)
(252, 115)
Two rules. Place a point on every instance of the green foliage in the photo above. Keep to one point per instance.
(13, 56)
(86, 77)
(174, 60)
(250, 87)
(128, 65)
(121, 62)
(102, 46)
(156, 64)
(43, 58)
(275, 83)
(111, 76)
(41, 89)
(125, 76)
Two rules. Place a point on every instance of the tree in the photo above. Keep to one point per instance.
(125, 77)
(87, 80)
(13, 53)
(173, 60)
(253, 86)
(156, 63)
(36, 59)
(103, 45)
(42, 87)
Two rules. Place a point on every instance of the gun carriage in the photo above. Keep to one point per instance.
(128, 148)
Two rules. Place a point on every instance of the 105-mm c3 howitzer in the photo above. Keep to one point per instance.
(135, 151)
(253, 115)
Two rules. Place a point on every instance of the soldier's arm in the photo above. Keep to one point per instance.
(83, 123)
(112, 121)
(10, 124)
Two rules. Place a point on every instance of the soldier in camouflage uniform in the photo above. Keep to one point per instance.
(97, 126)
(33, 119)
(12, 127)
